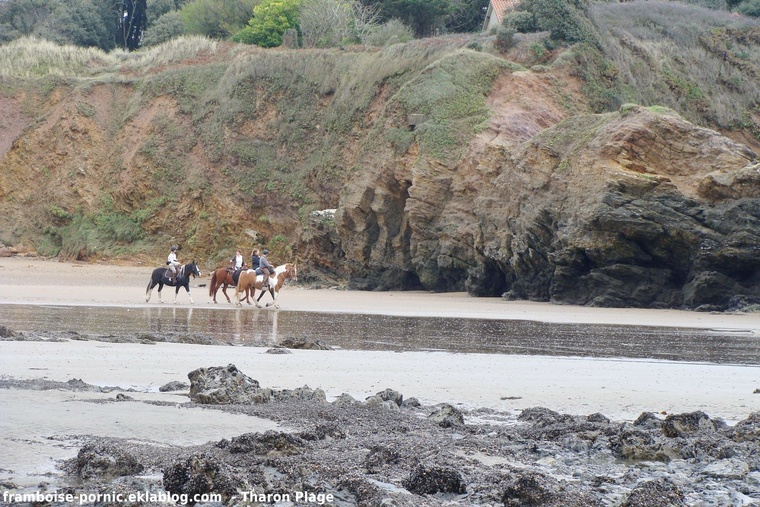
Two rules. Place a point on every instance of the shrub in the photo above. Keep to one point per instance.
(505, 38)
(271, 18)
(217, 19)
(390, 32)
(701, 63)
(521, 21)
(165, 28)
(749, 8)
(325, 23)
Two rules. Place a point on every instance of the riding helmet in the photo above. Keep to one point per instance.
(174, 248)
(265, 252)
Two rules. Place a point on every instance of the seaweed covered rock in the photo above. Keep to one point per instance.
(219, 385)
(198, 475)
(429, 480)
(447, 416)
(270, 443)
(655, 493)
(104, 461)
(537, 489)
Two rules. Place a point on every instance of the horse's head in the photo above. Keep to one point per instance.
(290, 271)
(192, 268)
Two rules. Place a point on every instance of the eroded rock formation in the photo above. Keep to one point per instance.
(634, 208)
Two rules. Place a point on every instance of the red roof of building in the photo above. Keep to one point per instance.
(502, 6)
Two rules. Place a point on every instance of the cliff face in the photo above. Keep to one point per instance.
(506, 186)
(635, 208)
(146, 179)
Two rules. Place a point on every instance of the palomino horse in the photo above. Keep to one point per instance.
(183, 280)
(223, 278)
(249, 279)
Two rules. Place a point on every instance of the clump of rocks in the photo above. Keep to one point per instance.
(386, 451)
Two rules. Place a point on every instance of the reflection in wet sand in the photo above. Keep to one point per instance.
(252, 327)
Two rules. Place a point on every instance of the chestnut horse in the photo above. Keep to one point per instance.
(160, 278)
(223, 278)
(249, 279)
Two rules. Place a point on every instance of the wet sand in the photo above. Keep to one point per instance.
(40, 282)
(620, 389)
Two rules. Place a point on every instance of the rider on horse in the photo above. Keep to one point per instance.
(236, 264)
(171, 261)
(266, 269)
(255, 259)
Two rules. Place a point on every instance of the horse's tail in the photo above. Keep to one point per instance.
(150, 286)
(212, 285)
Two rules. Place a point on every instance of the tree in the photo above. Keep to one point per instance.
(100, 23)
(326, 23)
(165, 28)
(367, 19)
(132, 20)
(565, 19)
(750, 8)
(22, 17)
(423, 16)
(271, 19)
(217, 19)
(466, 15)
(85, 23)
(157, 8)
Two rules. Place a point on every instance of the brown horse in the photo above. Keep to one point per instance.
(249, 279)
(223, 278)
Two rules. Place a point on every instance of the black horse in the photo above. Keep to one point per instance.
(160, 278)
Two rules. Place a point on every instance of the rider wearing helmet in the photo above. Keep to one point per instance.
(172, 262)
(266, 269)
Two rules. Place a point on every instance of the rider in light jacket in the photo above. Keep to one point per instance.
(266, 269)
(172, 262)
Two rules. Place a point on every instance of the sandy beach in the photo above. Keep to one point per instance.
(619, 389)
(25, 280)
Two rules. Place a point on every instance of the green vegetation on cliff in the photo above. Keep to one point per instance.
(217, 145)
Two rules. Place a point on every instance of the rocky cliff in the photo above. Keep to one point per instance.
(634, 208)
(504, 183)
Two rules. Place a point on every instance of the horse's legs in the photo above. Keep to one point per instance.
(149, 291)
(237, 296)
(224, 291)
(274, 302)
(261, 295)
(249, 293)
(160, 288)
(187, 288)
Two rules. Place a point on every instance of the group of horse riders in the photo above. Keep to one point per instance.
(259, 263)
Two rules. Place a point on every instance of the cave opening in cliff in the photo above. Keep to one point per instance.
(492, 283)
